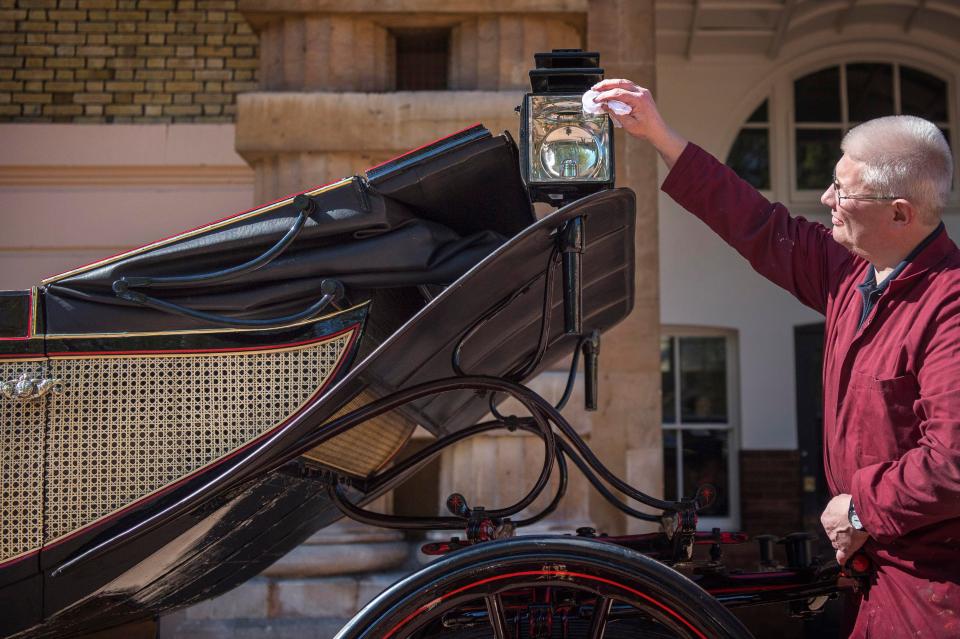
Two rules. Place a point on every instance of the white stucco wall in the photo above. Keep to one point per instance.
(705, 283)
(71, 194)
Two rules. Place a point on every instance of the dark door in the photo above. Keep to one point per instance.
(808, 343)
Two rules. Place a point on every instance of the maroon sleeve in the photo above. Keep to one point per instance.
(921, 488)
(793, 253)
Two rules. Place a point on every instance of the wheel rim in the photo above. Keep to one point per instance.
(499, 587)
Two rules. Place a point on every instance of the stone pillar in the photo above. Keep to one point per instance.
(496, 469)
(627, 428)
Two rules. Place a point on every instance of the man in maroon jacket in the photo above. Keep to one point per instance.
(887, 278)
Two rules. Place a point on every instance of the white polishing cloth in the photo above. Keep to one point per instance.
(593, 108)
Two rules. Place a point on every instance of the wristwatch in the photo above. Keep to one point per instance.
(852, 516)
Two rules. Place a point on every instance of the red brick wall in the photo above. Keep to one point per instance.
(770, 489)
(123, 60)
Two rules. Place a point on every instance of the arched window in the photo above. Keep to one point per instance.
(828, 102)
(791, 141)
(750, 154)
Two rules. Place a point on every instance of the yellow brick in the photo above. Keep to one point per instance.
(213, 74)
(155, 74)
(124, 86)
(97, 4)
(65, 63)
(182, 109)
(95, 27)
(93, 98)
(62, 109)
(34, 74)
(97, 51)
(33, 98)
(46, 27)
(154, 51)
(126, 38)
(123, 109)
(183, 87)
(243, 63)
(61, 87)
(126, 16)
(156, 27)
(74, 16)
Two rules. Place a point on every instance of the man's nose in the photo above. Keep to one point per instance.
(828, 197)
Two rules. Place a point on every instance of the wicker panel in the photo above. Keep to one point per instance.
(367, 447)
(21, 465)
(126, 426)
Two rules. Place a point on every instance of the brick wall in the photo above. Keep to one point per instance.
(770, 491)
(123, 60)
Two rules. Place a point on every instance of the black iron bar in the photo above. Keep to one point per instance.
(496, 615)
(571, 246)
(598, 622)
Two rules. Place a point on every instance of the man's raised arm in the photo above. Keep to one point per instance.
(795, 254)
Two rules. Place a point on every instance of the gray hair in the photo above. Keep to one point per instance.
(904, 156)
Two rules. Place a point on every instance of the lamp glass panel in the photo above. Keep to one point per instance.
(566, 144)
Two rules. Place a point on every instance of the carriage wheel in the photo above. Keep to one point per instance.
(544, 587)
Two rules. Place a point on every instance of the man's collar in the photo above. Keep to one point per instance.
(926, 255)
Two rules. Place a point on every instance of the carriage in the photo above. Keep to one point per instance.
(177, 417)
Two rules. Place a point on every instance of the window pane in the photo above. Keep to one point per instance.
(705, 462)
(422, 59)
(816, 97)
(923, 95)
(760, 115)
(750, 157)
(670, 491)
(869, 91)
(817, 152)
(703, 379)
(668, 397)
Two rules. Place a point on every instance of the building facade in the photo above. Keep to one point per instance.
(127, 120)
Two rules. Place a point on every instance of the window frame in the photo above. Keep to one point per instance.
(806, 197)
(733, 425)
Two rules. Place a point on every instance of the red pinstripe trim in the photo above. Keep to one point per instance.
(545, 573)
(421, 147)
(168, 488)
(239, 349)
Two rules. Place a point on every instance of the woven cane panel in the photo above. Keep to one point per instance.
(127, 426)
(367, 447)
(21, 490)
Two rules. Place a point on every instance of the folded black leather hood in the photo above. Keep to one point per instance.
(422, 219)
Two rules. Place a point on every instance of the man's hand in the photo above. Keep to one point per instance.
(844, 537)
(644, 121)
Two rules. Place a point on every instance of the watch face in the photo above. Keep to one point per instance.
(854, 519)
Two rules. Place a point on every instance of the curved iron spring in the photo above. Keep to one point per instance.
(543, 418)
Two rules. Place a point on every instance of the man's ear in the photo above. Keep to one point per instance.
(904, 212)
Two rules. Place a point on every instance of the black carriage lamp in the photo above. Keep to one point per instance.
(566, 154)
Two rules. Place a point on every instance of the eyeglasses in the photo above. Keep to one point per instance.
(876, 198)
